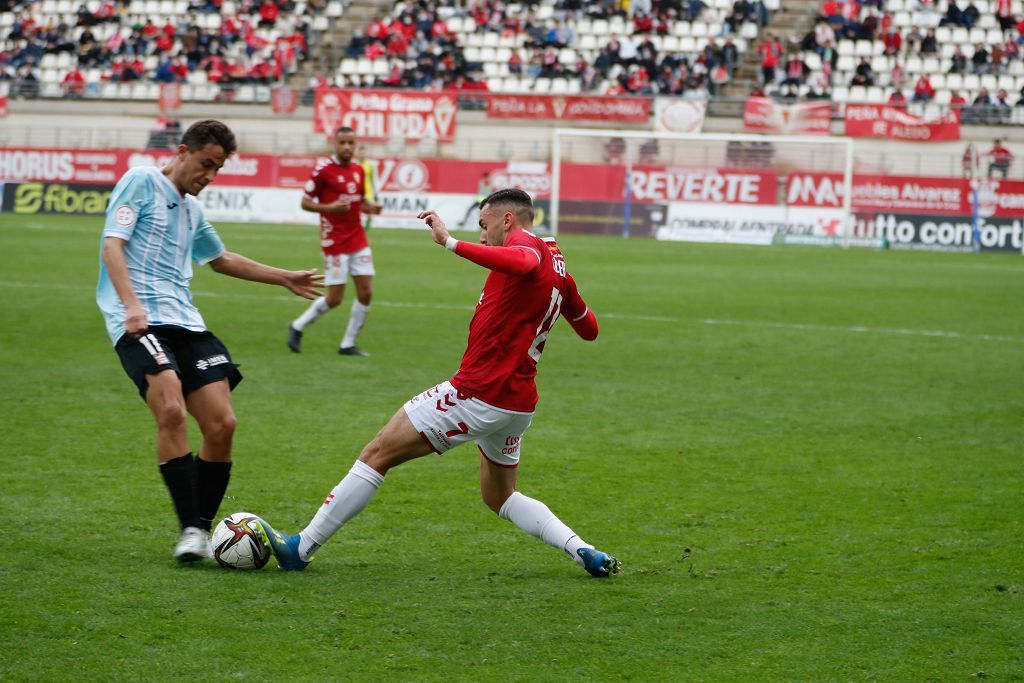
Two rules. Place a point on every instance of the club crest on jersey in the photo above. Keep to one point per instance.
(124, 215)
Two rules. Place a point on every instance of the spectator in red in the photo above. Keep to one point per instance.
(73, 84)
(215, 69)
(515, 63)
(180, 69)
(896, 75)
(164, 43)
(923, 90)
(769, 60)
(1004, 14)
(957, 100)
(892, 40)
(376, 30)
(268, 14)
(439, 29)
(796, 70)
(831, 8)
(150, 30)
(642, 23)
(897, 99)
(398, 44)
(374, 50)
(886, 23)
(1001, 159)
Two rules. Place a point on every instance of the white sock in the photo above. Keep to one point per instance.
(534, 517)
(315, 311)
(356, 320)
(349, 497)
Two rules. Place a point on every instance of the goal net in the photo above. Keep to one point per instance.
(744, 189)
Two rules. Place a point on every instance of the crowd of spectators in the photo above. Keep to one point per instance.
(424, 53)
(260, 42)
(786, 73)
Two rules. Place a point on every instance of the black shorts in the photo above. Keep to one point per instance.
(198, 358)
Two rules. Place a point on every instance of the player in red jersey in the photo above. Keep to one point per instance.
(490, 399)
(337, 191)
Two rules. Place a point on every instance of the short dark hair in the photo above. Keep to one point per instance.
(344, 129)
(514, 200)
(203, 133)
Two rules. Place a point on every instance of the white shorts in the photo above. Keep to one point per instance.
(337, 267)
(445, 418)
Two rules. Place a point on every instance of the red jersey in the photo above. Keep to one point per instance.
(512, 320)
(340, 233)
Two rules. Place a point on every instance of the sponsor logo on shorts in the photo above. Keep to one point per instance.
(219, 359)
(440, 437)
(161, 359)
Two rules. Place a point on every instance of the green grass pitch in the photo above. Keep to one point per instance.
(809, 462)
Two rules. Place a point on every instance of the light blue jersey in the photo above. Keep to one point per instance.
(164, 233)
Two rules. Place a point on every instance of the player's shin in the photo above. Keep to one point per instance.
(534, 517)
(211, 483)
(315, 311)
(356, 320)
(349, 497)
(179, 475)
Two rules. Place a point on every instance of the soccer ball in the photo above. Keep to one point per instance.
(239, 542)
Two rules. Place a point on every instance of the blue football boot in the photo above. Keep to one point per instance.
(286, 548)
(599, 564)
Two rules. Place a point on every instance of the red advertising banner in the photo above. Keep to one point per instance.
(284, 100)
(569, 107)
(580, 182)
(386, 114)
(3, 104)
(764, 115)
(907, 194)
(169, 96)
(886, 121)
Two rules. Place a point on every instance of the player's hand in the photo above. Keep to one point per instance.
(437, 228)
(305, 283)
(136, 322)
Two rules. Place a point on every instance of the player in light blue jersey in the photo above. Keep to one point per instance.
(154, 230)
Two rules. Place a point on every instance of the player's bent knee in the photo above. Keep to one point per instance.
(170, 415)
(221, 428)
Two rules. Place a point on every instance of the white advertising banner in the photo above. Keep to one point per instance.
(737, 224)
(677, 115)
(282, 205)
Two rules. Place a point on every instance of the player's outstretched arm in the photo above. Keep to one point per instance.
(513, 261)
(305, 283)
(437, 227)
(577, 313)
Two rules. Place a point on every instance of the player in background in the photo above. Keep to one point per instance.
(337, 191)
(369, 183)
(484, 188)
(491, 398)
(154, 229)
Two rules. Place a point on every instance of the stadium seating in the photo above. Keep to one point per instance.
(988, 88)
(504, 46)
(46, 40)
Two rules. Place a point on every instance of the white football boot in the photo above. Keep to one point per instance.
(193, 545)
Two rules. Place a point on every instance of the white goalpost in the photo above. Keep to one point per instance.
(708, 187)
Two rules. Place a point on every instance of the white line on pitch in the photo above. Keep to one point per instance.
(941, 334)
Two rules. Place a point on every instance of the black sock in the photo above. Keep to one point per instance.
(180, 477)
(211, 483)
